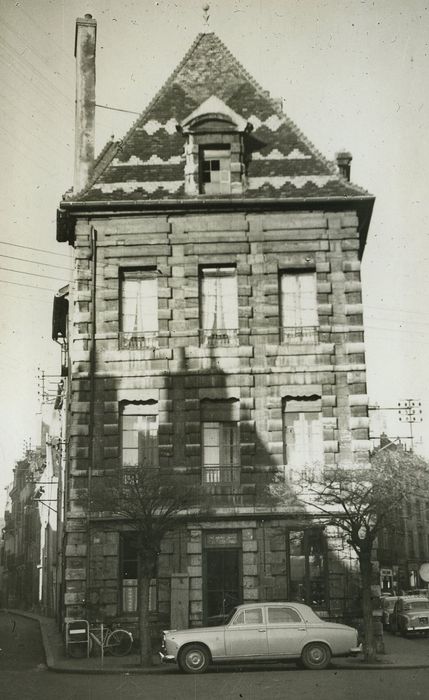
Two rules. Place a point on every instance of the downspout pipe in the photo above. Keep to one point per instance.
(91, 431)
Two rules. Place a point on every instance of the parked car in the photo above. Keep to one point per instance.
(410, 614)
(261, 632)
(387, 605)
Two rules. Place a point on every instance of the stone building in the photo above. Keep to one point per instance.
(21, 535)
(214, 331)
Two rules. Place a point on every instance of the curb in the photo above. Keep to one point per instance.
(165, 670)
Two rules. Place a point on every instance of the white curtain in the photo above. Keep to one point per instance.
(219, 299)
(140, 305)
(298, 300)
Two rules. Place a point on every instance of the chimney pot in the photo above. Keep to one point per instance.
(344, 159)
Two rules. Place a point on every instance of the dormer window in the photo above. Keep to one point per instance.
(214, 150)
(215, 164)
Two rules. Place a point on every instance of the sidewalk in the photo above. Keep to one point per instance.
(401, 653)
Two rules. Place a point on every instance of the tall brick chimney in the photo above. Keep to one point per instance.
(344, 158)
(86, 30)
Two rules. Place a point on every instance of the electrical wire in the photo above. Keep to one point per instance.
(32, 274)
(38, 250)
(36, 262)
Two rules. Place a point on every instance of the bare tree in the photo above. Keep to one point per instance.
(360, 502)
(151, 503)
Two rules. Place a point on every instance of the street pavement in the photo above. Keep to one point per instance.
(400, 653)
(24, 674)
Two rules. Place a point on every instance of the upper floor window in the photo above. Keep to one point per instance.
(215, 169)
(220, 442)
(303, 432)
(298, 305)
(139, 308)
(139, 435)
(219, 305)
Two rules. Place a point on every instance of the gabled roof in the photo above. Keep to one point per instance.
(149, 162)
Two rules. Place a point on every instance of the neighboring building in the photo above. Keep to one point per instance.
(402, 551)
(21, 535)
(215, 331)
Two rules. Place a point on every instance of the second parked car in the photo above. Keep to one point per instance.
(410, 614)
(261, 632)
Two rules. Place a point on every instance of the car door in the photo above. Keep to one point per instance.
(246, 634)
(286, 630)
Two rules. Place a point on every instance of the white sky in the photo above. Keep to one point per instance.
(352, 75)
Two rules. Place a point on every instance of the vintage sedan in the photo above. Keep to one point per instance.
(410, 614)
(262, 632)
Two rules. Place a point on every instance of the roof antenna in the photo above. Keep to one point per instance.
(206, 18)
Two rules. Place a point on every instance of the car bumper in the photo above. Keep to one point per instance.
(166, 658)
(355, 650)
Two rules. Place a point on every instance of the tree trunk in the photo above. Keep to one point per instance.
(369, 648)
(144, 626)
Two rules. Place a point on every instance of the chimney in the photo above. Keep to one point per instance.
(86, 29)
(344, 158)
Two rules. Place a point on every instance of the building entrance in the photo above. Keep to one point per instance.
(222, 583)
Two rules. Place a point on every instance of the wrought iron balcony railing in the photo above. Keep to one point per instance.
(138, 340)
(216, 474)
(218, 337)
(299, 334)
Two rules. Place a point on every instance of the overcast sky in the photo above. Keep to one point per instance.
(352, 75)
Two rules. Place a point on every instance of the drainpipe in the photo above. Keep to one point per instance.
(92, 369)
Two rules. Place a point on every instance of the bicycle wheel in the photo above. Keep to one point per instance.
(119, 642)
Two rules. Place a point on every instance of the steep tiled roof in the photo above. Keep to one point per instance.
(149, 162)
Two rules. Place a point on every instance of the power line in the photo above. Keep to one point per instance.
(117, 109)
(32, 300)
(38, 250)
(32, 286)
(37, 262)
(32, 274)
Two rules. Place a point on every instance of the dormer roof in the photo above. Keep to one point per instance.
(149, 163)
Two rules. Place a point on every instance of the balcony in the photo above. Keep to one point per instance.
(298, 335)
(215, 474)
(138, 341)
(219, 337)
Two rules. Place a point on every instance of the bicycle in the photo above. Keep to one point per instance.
(112, 640)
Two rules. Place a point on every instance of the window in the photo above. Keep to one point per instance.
(129, 576)
(129, 573)
(139, 308)
(303, 432)
(278, 615)
(139, 435)
(219, 305)
(215, 169)
(220, 449)
(250, 616)
(306, 569)
(298, 306)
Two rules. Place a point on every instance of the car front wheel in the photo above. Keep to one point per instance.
(194, 658)
(316, 656)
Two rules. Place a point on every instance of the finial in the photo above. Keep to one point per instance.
(206, 17)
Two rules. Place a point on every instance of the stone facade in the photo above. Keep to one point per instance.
(296, 213)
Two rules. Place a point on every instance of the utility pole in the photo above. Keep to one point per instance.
(410, 412)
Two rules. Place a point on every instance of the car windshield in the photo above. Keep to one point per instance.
(417, 605)
(230, 616)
